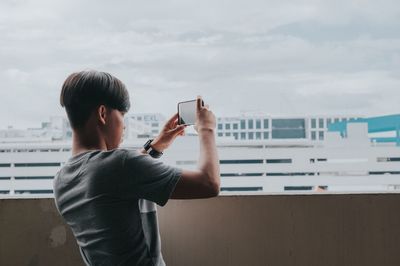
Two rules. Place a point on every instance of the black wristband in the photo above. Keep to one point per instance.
(152, 152)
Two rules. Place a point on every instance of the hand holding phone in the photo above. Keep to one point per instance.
(196, 113)
(187, 112)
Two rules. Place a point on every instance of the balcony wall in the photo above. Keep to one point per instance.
(247, 230)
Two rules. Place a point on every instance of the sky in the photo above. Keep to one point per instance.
(289, 58)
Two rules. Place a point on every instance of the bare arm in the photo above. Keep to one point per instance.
(168, 134)
(205, 182)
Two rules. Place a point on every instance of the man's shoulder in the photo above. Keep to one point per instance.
(130, 158)
(127, 153)
(120, 153)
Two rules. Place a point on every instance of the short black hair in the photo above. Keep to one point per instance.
(82, 92)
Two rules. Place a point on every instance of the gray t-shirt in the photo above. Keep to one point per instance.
(106, 197)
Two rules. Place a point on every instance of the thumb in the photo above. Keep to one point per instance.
(178, 129)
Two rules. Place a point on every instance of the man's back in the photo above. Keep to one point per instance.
(100, 195)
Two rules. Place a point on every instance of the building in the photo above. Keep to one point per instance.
(265, 127)
(57, 128)
(347, 160)
(155, 121)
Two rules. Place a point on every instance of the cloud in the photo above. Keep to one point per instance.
(277, 57)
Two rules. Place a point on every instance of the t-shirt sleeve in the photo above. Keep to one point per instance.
(148, 178)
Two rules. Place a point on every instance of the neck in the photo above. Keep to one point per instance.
(86, 140)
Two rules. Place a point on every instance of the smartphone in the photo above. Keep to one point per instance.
(187, 112)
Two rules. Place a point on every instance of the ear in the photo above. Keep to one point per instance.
(102, 114)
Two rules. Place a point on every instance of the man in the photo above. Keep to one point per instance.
(106, 194)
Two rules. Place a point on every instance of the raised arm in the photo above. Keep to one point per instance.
(205, 182)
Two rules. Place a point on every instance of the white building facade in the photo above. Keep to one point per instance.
(266, 127)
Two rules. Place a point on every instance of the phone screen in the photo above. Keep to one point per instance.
(187, 112)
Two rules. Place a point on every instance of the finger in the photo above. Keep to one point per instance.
(175, 123)
(199, 103)
(173, 119)
(182, 132)
(179, 133)
(177, 129)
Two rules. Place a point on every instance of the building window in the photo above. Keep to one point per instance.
(243, 135)
(328, 121)
(313, 123)
(241, 174)
(227, 126)
(249, 161)
(258, 123)
(321, 135)
(313, 135)
(242, 124)
(154, 124)
(258, 135)
(37, 164)
(387, 159)
(235, 126)
(298, 188)
(279, 160)
(266, 123)
(321, 123)
(236, 135)
(336, 120)
(266, 135)
(37, 191)
(251, 124)
(288, 128)
(220, 134)
(291, 174)
(251, 135)
(227, 134)
(33, 177)
(378, 173)
(241, 189)
(219, 126)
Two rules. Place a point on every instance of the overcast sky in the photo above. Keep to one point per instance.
(277, 57)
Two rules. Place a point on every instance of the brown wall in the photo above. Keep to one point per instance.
(250, 230)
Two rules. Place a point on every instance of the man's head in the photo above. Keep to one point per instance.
(97, 98)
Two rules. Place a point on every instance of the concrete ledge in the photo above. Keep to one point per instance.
(247, 230)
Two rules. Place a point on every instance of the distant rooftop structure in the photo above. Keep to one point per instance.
(380, 124)
(137, 126)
